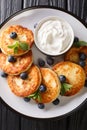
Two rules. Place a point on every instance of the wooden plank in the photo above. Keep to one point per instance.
(44, 125)
(0, 114)
(4, 118)
(13, 120)
(8, 119)
(56, 3)
(30, 3)
(78, 7)
(8, 7)
(78, 120)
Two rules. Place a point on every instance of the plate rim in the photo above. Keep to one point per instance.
(39, 7)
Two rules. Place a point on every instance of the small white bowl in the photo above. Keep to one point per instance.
(40, 45)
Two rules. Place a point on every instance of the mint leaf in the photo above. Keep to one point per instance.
(15, 50)
(80, 43)
(19, 45)
(65, 87)
(36, 96)
(24, 46)
(62, 92)
(39, 97)
(11, 46)
(32, 95)
(14, 46)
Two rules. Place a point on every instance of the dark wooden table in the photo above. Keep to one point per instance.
(9, 120)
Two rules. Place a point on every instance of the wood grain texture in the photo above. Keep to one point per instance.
(13, 121)
(78, 7)
(56, 3)
(8, 7)
(78, 120)
(0, 115)
(9, 120)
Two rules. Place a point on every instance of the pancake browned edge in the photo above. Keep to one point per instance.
(23, 35)
(74, 74)
(22, 63)
(52, 83)
(73, 55)
(84, 50)
(24, 88)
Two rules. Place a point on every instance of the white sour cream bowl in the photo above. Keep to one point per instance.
(53, 36)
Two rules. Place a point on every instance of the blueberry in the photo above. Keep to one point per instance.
(82, 56)
(56, 102)
(23, 75)
(76, 39)
(3, 74)
(41, 62)
(62, 78)
(50, 60)
(41, 105)
(11, 59)
(27, 99)
(13, 35)
(35, 25)
(42, 88)
(82, 63)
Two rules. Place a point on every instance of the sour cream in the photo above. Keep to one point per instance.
(54, 36)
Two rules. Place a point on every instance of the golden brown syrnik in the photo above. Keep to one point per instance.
(26, 87)
(74, 74)
(52, 83)
(22, 63)
(73, 55)
(24, 35)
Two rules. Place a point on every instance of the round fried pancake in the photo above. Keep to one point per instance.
(23, 35)
(52, 83)
(26, 87)
(21, 64)
(72, 55)
(74, 74)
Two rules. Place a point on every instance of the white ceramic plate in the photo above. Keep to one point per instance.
(28, 18)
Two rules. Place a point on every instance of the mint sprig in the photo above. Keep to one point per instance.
(36, 96)
(65, 87)
(79, 44)
(24, 46)
(19, 45)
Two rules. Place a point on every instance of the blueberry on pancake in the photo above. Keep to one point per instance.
(72, 55)
(52, 84)
(78, 55)
(16, 40)
(24, 88)
(21, 63)
(74, 74)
